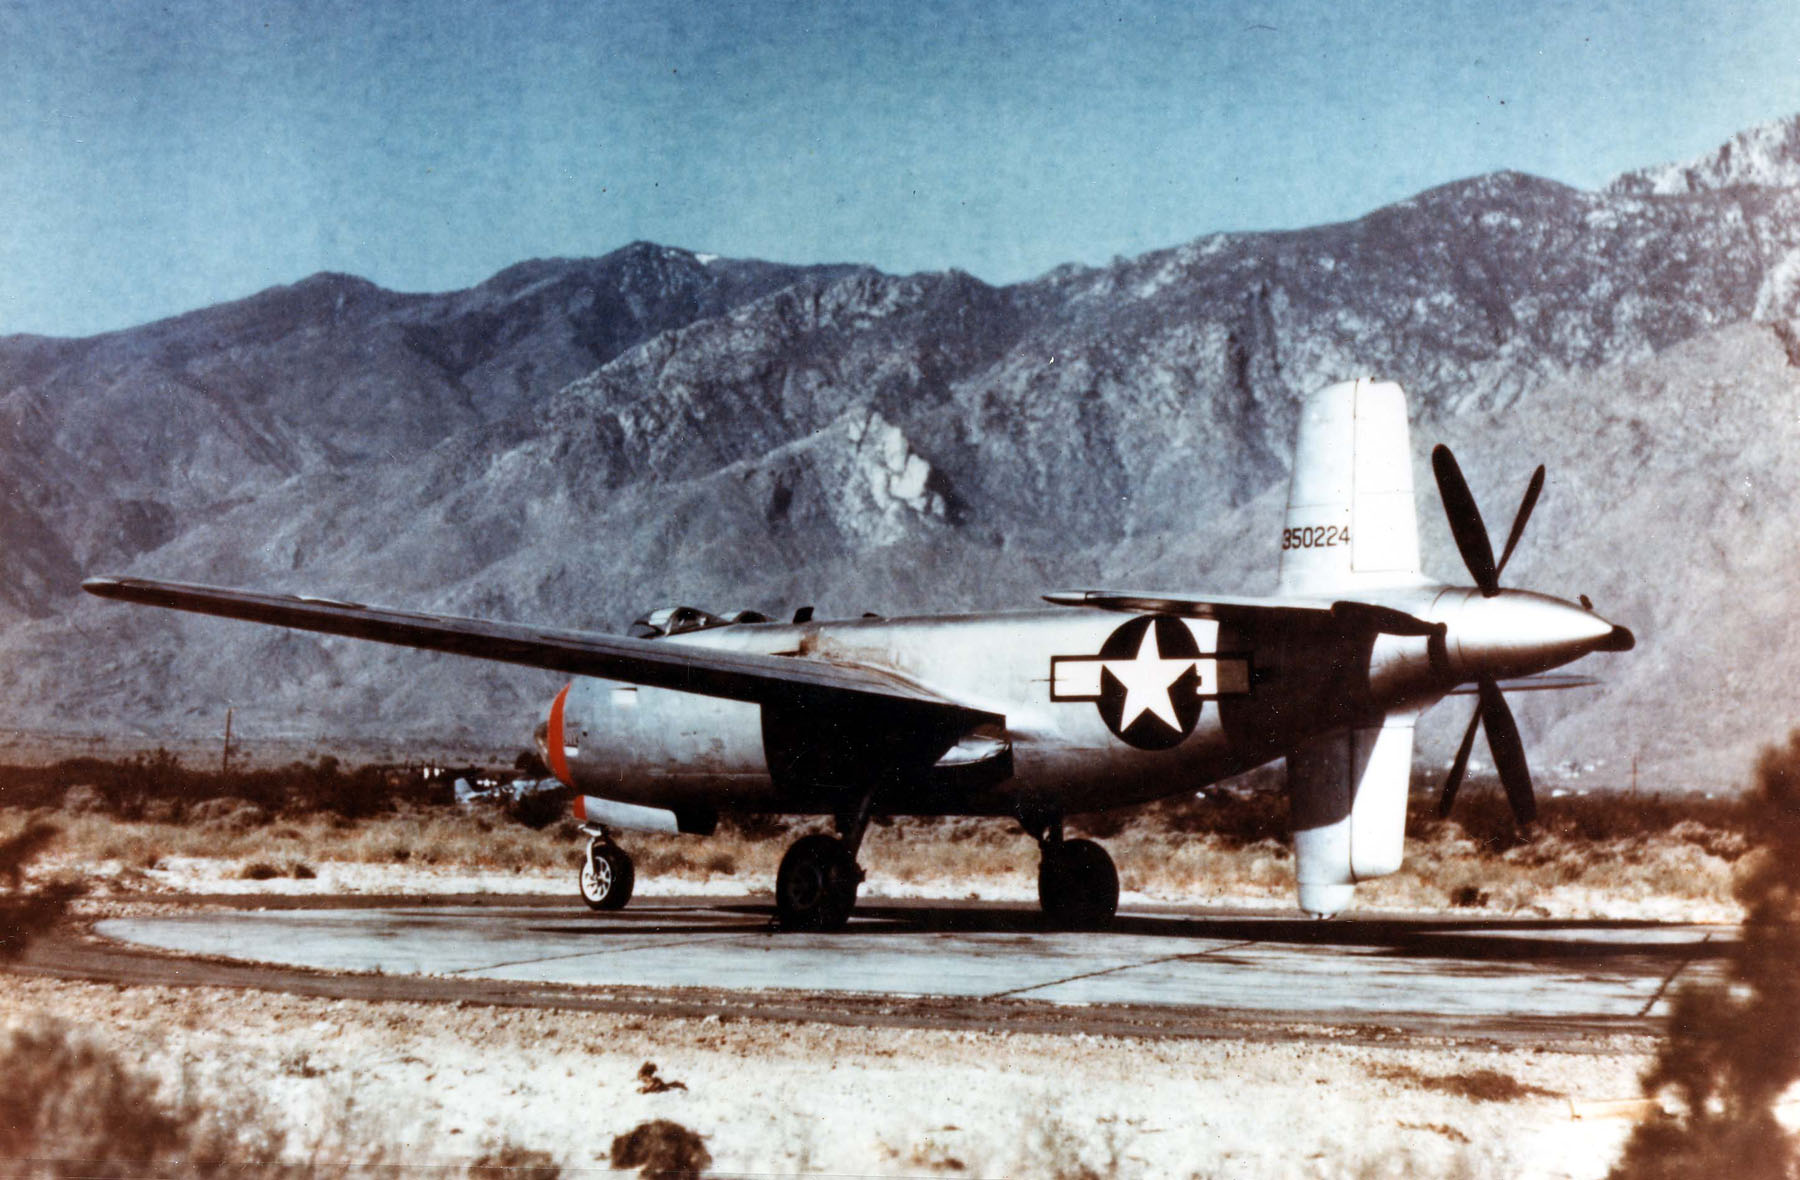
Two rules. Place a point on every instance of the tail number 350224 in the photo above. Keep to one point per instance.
(1322, 536)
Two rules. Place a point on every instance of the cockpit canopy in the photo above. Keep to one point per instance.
(675, 620)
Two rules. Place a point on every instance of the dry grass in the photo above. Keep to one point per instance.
(1446, 867)
(1626, 848)
(1228, 844)
(419, 836)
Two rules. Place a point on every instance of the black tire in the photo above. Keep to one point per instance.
(815, 888)
(607, 877)
(1078, 885)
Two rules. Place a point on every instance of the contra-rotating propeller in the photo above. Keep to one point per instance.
(1491, 712)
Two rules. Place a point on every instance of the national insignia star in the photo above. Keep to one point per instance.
(1147, 678)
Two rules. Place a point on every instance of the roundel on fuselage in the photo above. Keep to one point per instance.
(1145, 681)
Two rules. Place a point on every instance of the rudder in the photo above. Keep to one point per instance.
(1350, 518)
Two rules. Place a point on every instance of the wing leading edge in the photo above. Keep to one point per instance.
(1350, 613)
(742, 676)
(1214, 606)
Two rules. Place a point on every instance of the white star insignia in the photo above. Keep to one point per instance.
(1147, 678)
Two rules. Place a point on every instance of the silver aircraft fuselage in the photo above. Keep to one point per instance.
(1095, 716)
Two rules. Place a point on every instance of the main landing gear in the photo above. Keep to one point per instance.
(606, 872)
(1078, 887)
(815, 888)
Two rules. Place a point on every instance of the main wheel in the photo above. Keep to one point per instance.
(815, 889)
(1078, 885)
(606, 877)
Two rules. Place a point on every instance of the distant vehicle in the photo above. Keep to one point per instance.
(1107, 699)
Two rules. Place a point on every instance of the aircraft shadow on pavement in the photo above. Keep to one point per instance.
(1475, 939)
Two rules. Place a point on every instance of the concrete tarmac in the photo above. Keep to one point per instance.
(1408, 972)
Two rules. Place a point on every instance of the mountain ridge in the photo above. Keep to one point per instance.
(575, 441)
(1764, 156)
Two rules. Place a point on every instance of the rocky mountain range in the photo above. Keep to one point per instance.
(577, 442)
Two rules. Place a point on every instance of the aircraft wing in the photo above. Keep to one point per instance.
(1360, 615)
(742, 676)
(1212, 606)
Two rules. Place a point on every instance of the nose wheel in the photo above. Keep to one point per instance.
(606, 875)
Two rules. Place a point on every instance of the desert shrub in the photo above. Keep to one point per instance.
(1733, 1048)
(64, 1097)
(69, 1108)
(1476, 1085)
(93, 784)
(530, 764)
(25, 915)
(654, 859)
(537, 809)
(1253, 807)
(228, 813)
(1241, 811)
(325, 785)
(661, 1150)
(85, 799)
(22, 847)
(754, 826)
(164, 811)
(1100, 825)
(156, 786)
(1483, 815)
(509, 1161)
(1469, 896)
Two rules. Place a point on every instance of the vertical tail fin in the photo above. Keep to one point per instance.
(1350, 514)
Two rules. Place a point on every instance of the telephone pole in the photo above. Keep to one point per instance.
(225, 754)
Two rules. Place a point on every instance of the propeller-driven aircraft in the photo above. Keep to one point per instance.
(1105, 699)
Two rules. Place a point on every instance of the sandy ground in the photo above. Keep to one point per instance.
(442, 1084)
(439, 1085)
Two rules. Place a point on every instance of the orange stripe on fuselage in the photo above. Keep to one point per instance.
(553, 739)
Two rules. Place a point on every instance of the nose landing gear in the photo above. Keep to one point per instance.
(607, 875)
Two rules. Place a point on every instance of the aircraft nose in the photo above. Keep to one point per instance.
(1518, 633)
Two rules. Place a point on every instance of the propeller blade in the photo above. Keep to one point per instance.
(1465, 520)
(1508, 750)
(1459, 767)
(1532, 492)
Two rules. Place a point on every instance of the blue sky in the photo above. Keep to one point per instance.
(160, 157)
